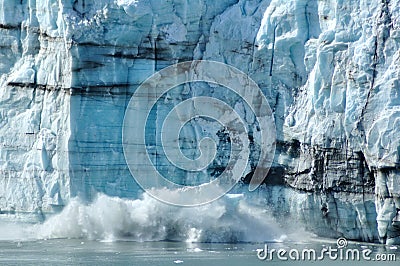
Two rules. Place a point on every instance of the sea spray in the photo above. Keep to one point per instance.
(233, 218)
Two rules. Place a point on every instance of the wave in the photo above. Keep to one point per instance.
(233, 218)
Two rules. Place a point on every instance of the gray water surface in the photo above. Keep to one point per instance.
(84, 252)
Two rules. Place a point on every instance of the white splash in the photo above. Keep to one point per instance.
(230, 219)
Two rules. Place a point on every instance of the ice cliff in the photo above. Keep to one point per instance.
(329, 69)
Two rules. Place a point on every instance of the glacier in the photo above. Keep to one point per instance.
(329, 70)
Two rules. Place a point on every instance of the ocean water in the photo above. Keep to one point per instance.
(234, 230)
(83, 252)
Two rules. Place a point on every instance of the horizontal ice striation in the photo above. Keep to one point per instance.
(329, 69)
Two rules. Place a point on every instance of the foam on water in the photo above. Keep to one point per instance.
(14, 231)
(234, 218)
